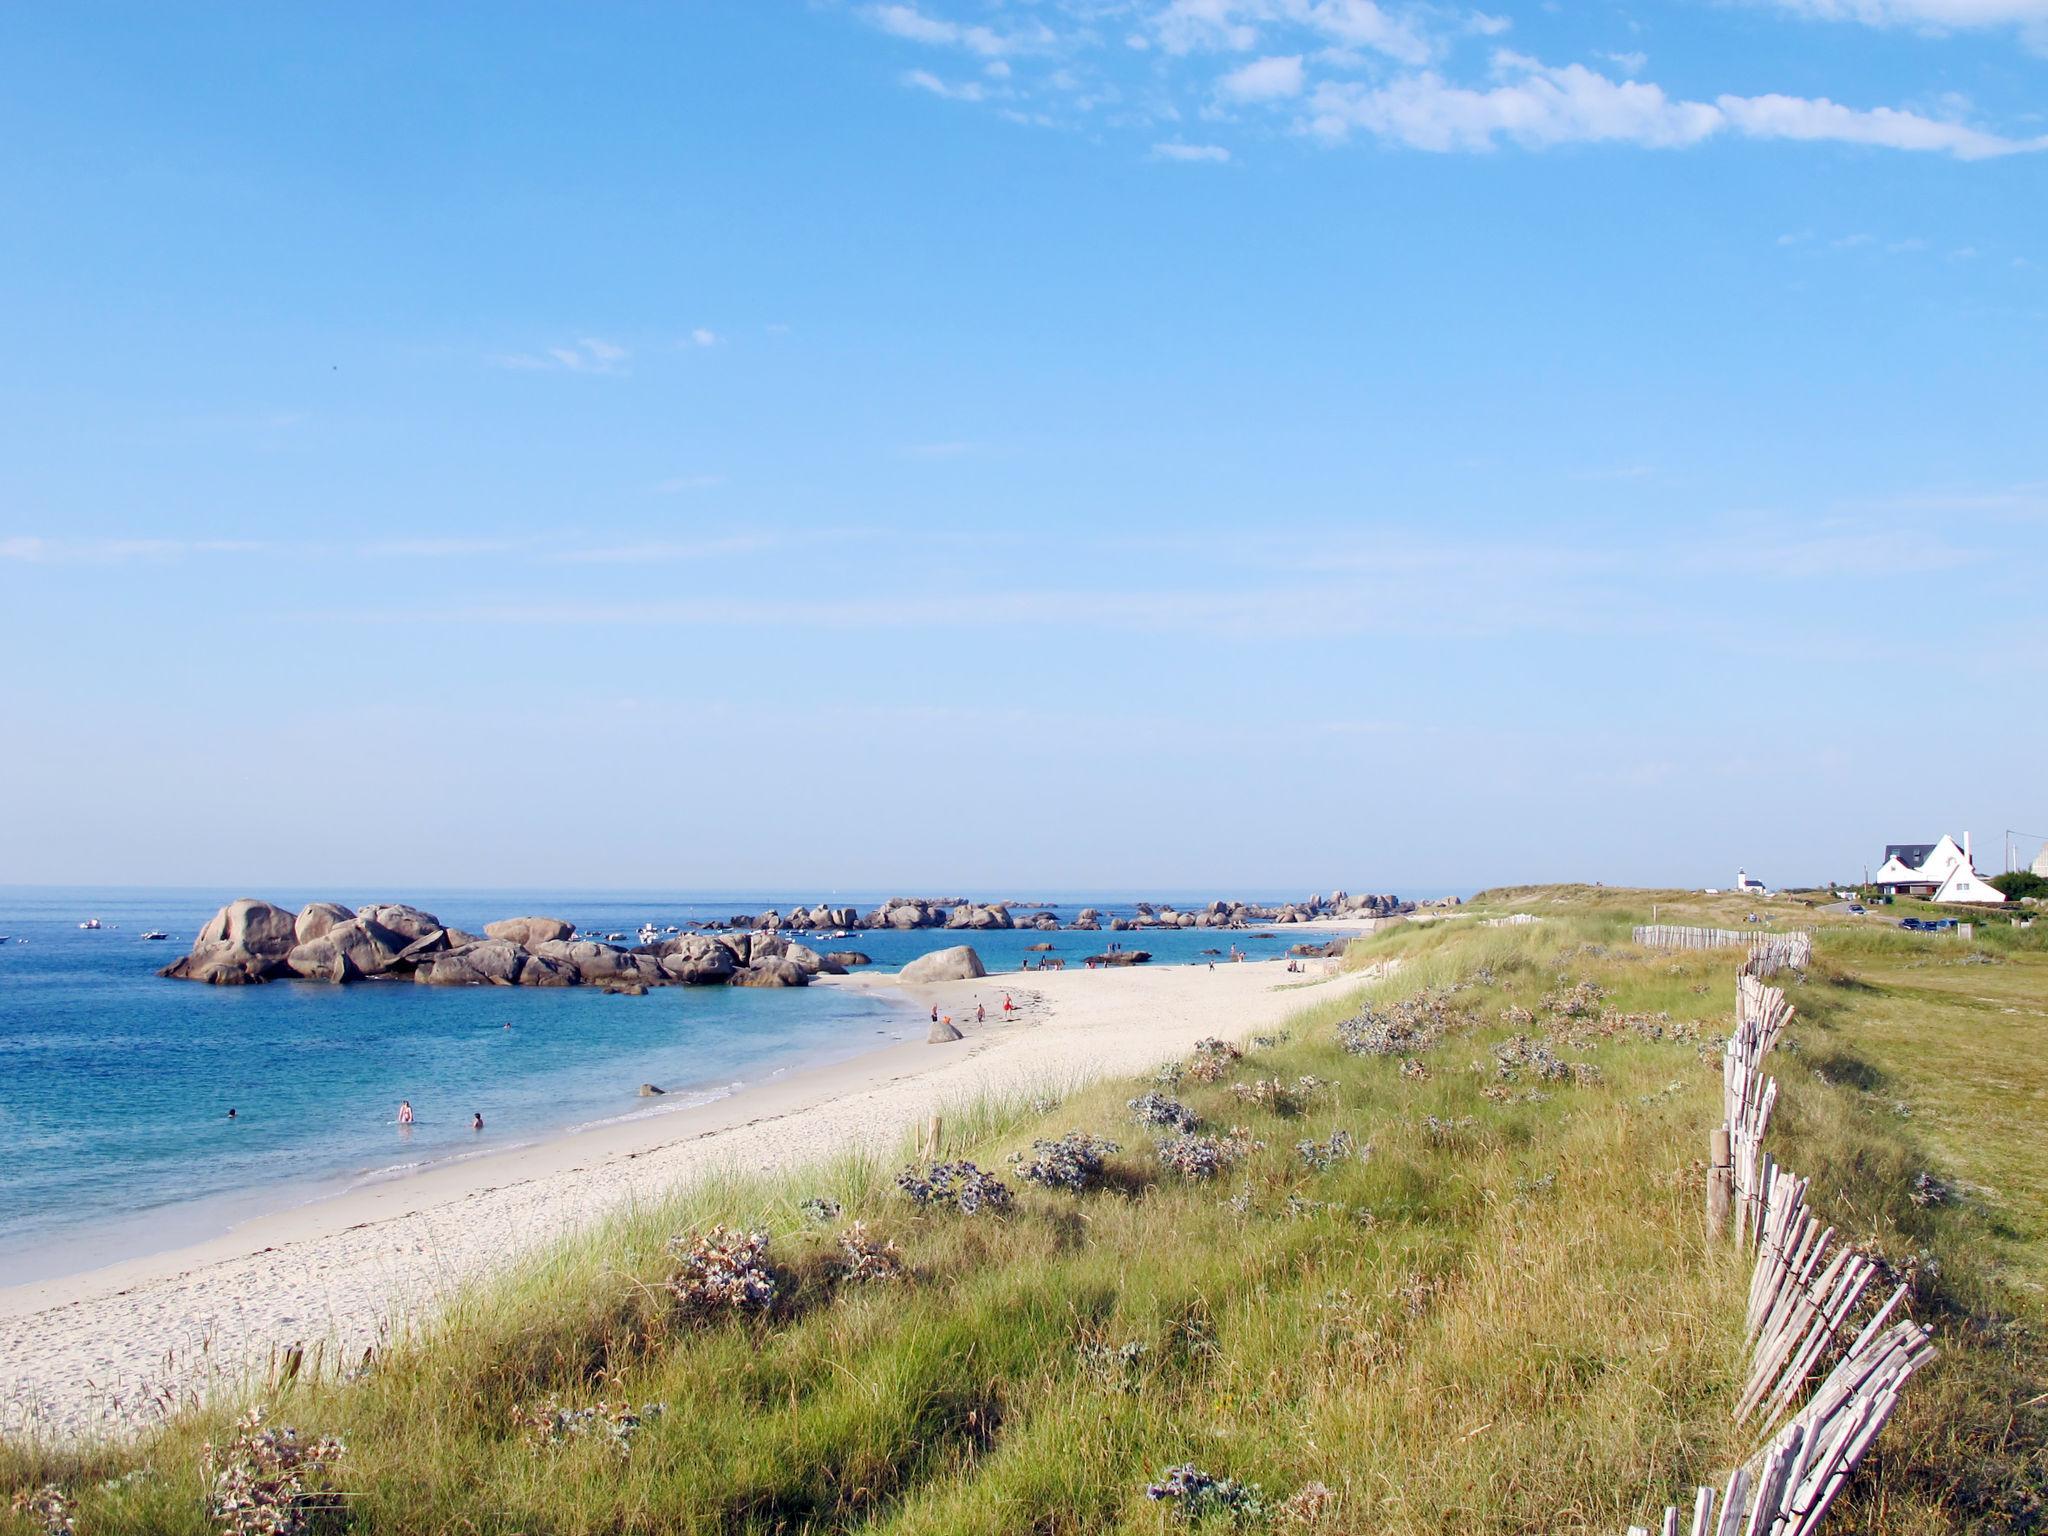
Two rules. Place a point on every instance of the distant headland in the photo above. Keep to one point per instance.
(251, 941)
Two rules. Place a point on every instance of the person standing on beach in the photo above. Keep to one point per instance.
(405, 1111)
(935, 1013)
(981, 1013)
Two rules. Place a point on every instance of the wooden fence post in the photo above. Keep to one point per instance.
(934, 1131)
(1720, 1183)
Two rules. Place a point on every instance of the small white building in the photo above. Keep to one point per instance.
(2041, 862)
(1749, 885)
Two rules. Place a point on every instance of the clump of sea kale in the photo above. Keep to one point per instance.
(1118, 1366)
(862, 1259)
(50, 1507)
(1534, 1054)
(1280, 1097)
(1074, 1161)
(1212, 1059)
(1402, 1028)
(721, 1271)
(959, 1183)
(1204, 1157)
(1575, 1001)
(551, 1424)
(1196, 1495)
(1322, 1156)
(1929, 1190)
(1441, 1133)
(820, 1210)
(269, 1482)
(1155, 1108)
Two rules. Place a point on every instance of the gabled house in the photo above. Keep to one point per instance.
(1938, 871)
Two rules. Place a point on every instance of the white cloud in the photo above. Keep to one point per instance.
(907, 21)
(1235, 26)
(1628, 63)
(1538, 106)
(1211, 154)
(592, 354)
(704, 336)
(1268, 79)
(925, 80)
(2031, 16)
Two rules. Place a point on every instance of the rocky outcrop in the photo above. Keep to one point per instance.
(408, 921)
(847, 959)
(489, 962)
(530, 932)
(1121, 957)
(942, 1032)
(696, 961)
(316, 917)
(772, 973)
(347, 951)
(960, 963)
(246, 941)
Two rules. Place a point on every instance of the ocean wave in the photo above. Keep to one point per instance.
(671, 1102)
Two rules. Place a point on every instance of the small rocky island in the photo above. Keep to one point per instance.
(251, 941)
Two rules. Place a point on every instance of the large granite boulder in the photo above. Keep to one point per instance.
(316, 917)
(245, 941)
(772, 973)
(960, 963)
(846, 959)
(698, 961)
(530, 932)
(347, 952)
(593, 962)
(492, 962)
(766, 946)
(400, 919)
(942, 1032)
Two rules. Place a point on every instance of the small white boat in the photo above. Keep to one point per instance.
(90, 922)
(155, 934)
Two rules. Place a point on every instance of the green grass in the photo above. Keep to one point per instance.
(1512, 1325)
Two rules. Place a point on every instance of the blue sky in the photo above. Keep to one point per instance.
(1059, 444)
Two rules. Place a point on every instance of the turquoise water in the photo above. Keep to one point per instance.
(115, 1084)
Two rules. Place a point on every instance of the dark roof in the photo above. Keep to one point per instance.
(1912, 855)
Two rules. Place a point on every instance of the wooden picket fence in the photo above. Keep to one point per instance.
(1671, 936)
(1802, 1292)
(1769, 953)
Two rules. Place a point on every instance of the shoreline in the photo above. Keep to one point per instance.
(95, 1352)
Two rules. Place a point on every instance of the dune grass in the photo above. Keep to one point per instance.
(1498, 1314)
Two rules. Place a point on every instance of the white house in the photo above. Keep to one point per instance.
(1749, 885)
(2041, 862)
(1938, 871)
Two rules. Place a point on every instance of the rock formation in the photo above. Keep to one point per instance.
(960, 963)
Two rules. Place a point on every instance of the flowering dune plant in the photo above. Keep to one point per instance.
(721, 1271)
(1212, 1059)
(1322, 1156)
(1204, 1157)
(1197, 1496)
(269, 1482)
(49, 1507)
(958, 1183)
(1155, 1108)
(1072, 1162)
(862, 1259)
(551, 1424)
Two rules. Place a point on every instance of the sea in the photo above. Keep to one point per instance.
(115, 1084)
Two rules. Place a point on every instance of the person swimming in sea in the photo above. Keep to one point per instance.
(231, 1114)
(476, 1121)
(405, 1111)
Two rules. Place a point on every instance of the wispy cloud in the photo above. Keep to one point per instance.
(1538, 106)
(704, 336)
(591, 354)
(29, 549)
(1196, 154)
(1353, 69)
(2030, 17)
(1268, 79)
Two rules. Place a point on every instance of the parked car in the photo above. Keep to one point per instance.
(1858, 908)
(1914, 924)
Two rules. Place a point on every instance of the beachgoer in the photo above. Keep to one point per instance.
(1008, 1007)
(476, 1121)
(935, 1013)
(981, 1013)
(405, 1111)
(231, 1114)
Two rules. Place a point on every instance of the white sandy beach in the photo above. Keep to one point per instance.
(102, 1351)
